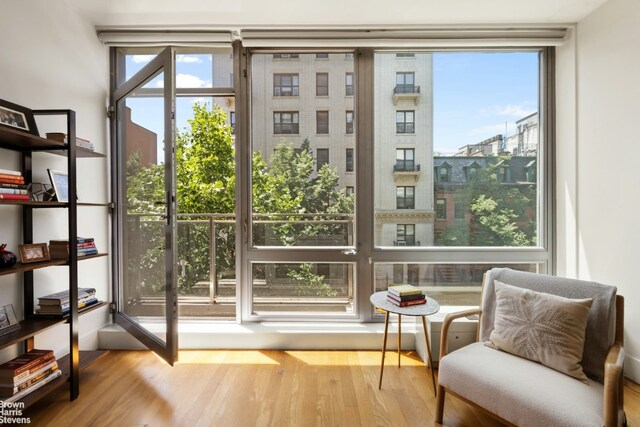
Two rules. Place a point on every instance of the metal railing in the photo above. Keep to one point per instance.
(406, 89)
(406, 166)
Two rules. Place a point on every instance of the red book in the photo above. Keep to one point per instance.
(14, 197)
(13, 180)
(7, 176)
(406, 303)
(22, 364)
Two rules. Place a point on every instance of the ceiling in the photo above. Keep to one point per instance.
(330, 13)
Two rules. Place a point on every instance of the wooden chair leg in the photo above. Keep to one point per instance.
(440, 404)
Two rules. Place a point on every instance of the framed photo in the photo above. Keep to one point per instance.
(34, 252)
(60, 183)
(8, 320)
(17, 117)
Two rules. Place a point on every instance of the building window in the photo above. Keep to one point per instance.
(504, 174)
(405, 55)
(349, 158)
(232, 121)
(349, 122)
(405, 160)
(322, 55)
(285, 85)
(348, 56)
(322, 122)
(471, 173)
(406, 235)
(322, 84)
(322, 158)
(443, 173)
(530, 171)
(441, 208)
(348, 81)
(286, 56)
(285, 122)
(349, 190)
(405, 197)
(405, 82)
(405, 121)
(458, 210)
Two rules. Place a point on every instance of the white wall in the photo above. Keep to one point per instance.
(608, 152)
(51, 58)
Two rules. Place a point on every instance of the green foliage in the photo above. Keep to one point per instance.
(309, 283)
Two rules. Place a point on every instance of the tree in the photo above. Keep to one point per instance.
(499, 213)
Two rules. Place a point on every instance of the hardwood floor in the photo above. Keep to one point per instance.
(261, 388)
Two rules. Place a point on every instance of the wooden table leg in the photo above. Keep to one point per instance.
(384, 348)
(426, 337)
(399, 337)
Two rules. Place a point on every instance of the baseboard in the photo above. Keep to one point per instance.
(632, 368)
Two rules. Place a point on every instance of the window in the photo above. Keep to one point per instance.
(406, 235)
(405, 197)
(322, 122)
(471, 172)
(405, 55)
(348, 80)
(322, 158)
(232, 121)
(322, 55)
(285, 85)
(398, 273)
(349, 190)
(349, 122)
(405, 82)
(286, 56)
(322, 84)
(405, 121)
(458, 210)
(348, 56)
(349, 157)
(443, 173)
(441, 208)
(405, 160)
(504, 174)
(285, 122)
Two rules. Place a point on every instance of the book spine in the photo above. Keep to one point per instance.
(6, 185)
(14, 197)
(10, 176)
(405, 297)
(407, 303)
(12, 180)
(34, 387)
(27, 367)
(405, 293)
(10, 391)
(12, 191)
(10, 172)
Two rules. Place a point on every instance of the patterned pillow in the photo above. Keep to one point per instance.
(541, 327)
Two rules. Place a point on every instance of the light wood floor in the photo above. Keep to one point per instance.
(261, 388)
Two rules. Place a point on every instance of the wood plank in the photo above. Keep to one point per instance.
(28, 328)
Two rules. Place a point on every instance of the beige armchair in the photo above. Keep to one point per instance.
(522, 392)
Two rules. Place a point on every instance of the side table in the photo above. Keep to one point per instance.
(379, 300)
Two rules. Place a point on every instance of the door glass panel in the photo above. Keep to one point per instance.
(302, 287)
(449, 284)
(144, 233)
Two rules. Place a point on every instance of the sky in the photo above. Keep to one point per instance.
(475, 95)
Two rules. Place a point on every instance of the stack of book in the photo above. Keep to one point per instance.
(405, 295)
(12, 186)
(62, 137)
(59, 249)
(59, 304)
(27, 373)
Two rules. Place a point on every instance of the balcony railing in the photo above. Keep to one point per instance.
(408, 241)
(411, 92)
(406, 166)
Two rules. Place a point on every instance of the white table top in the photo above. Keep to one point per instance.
(379, 299)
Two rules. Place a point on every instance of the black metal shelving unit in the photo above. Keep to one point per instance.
(27, 144)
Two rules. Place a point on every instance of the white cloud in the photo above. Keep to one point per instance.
(488, 130)
(188, 59)
(142, 59)
(186, 81)
(160, 83)
(512, 110)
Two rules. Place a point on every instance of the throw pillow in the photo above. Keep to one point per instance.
(541, 327)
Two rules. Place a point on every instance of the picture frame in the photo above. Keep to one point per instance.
(60, 183)
(34, 252)
(17, 117)
(8, 320)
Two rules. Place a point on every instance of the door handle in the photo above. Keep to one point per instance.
(349, 252)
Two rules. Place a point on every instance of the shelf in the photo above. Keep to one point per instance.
(28, 328)
(36, 204)
(80, 152)
(23, 141)
(21, 268)
(81, 311)
(86, 359)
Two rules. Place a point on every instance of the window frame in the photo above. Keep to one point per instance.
(294, 87)
(405, 201)
(322, 88)
(294, 124)
(322, 122)
(405, 126)
(349, 160)
(325, 158)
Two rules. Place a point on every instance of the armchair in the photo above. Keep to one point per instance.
(522, 392)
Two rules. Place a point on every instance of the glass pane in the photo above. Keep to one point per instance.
(205, 163)
(449, 284)
(471, 119)
(142, 130)
(296, 201)
(302, 288)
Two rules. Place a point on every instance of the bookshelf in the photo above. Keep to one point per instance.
(32, 324)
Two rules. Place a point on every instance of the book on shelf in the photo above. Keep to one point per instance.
(59, 249)
(10, 172)
(58, 310)
(11, 177)
(402, 290)
(33, 372)
(406, 303)
(23, 365)
(14, 197)
(8, 320)
(51, 377)
(62, 297)
(14, 186)
(19, 181)
(405, 297)
(9, 389)
(62, 137)
(12, 190)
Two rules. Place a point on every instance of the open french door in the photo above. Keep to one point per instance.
(145, 220)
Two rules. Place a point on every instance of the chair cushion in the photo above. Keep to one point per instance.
(541, 327)
(520, 391)
(600, 332)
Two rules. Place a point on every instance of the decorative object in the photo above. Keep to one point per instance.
(17, 117)
(8, 320)
(41, 192)
(34, 252)
(7, 259)
(60, 182)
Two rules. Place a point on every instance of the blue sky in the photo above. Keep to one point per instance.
(475, 94)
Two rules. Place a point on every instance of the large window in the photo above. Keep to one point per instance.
(322, 122)
(405, 160)
(405, 197)
(286, 122)
(406, 235)
(405, 82)
(285, 85)
(322, 158)
(322, 84)
(405, 121)
(348, 84)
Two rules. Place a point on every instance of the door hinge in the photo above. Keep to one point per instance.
(111, 111)
(113, 307)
